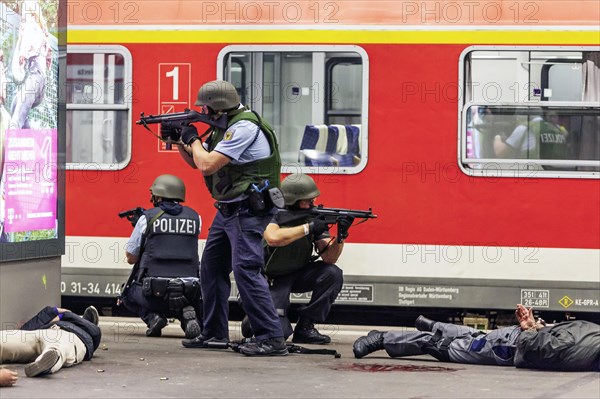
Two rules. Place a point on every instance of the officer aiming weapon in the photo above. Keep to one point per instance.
(328, 215)
(171, 124)
(133, 215)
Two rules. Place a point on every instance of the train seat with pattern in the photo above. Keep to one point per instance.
(332, 145)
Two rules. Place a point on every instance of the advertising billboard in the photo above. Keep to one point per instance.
(31, 112)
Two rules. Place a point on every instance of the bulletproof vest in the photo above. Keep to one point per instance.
(171, 248)
(290, 258)
(552, 141)
(231, 181)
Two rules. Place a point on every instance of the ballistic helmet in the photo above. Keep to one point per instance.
(168, 187)
(298, 186)
(219, 95)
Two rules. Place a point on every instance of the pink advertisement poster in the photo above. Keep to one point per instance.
(30, 180)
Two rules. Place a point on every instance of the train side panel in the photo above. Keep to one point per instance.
(441, 239)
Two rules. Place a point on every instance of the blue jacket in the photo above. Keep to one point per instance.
(88, 332)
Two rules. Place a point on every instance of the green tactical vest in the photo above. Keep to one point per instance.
(290, 258)
(231, 181)
(551, 141)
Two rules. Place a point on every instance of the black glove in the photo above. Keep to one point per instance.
(134, 219)
(169, 132)
(317, 226)
(188, 134)
(344, 222)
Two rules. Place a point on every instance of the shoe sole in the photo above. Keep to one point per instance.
(192, 329)
(156, 330)
(91, 315)
(320, 342)
(42, 365)
(189, 313)
(211, 343)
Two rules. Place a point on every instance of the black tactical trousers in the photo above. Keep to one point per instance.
(147, 306)
(323, 280)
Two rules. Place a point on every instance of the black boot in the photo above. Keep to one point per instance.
(192, 327)
(369, 344)
(155, 326)
(206, 342)
(306, 333)
(246, 328)
(424, 324)
(91, 315)
(267, 347)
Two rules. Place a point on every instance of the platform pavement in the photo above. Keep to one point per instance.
(130, 365)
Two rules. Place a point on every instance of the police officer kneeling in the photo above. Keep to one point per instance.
(164, 244)
(291, 266)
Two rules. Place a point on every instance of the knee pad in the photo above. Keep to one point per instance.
(175, 295)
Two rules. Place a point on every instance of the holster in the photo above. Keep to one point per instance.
(262, 198)
(155, 286)
(256, 201)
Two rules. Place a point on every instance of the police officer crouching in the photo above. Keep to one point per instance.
(291, 266)
(164, 247)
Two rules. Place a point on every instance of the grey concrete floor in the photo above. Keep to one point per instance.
(130, 365)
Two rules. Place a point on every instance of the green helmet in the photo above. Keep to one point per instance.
(169, 187)
(219, 95)
(298, 186)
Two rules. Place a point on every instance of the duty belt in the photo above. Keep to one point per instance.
(229, 208)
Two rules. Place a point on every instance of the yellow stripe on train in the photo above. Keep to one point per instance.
(254, 36)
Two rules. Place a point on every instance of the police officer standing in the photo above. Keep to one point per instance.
(536, 139)
(292, 267)
(164, 247)
(236, 162)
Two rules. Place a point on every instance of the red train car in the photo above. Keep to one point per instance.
(408, 108)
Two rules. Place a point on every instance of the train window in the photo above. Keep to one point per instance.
(343, 92)
(530, 112)
(98, 96)
(315, 97)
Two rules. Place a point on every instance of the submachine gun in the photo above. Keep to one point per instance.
(177, 120)
(292, 348)
(328, 215)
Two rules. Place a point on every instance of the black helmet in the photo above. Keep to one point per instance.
(219, 95)
(298, 186)
(168, 187)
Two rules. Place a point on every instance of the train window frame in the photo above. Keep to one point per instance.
(125, 106)
(299, 166)
(514, 167)
(329, 89)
